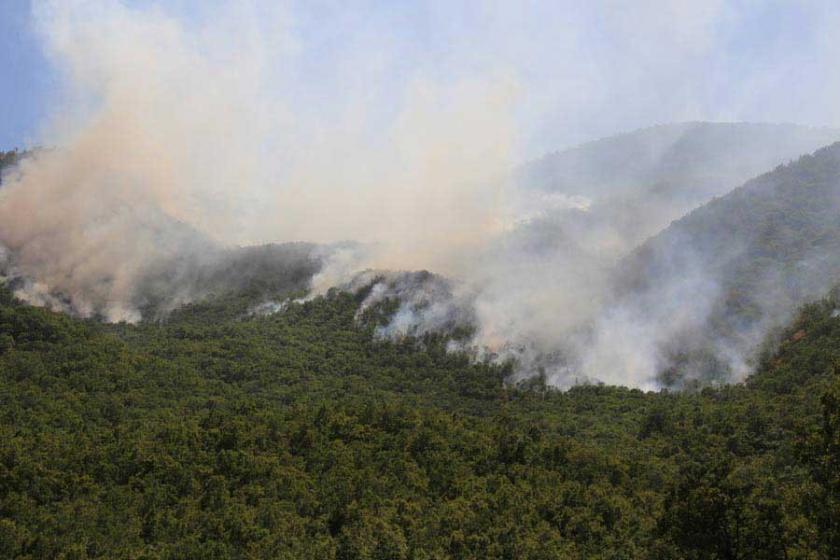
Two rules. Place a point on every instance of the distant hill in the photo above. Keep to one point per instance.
(681, 158)
(637, 183)
(301, 434)
(743, 262)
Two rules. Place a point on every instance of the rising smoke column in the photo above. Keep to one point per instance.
(170, 139)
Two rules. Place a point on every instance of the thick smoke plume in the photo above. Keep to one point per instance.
(176, 140)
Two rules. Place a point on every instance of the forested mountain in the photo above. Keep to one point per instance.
(751, 258)
(223, 435)
(691, 304)
(635, 184)
(280, 281)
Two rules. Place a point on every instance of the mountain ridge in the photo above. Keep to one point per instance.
(767, 247)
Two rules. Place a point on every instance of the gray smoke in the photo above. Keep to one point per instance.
(179, 140)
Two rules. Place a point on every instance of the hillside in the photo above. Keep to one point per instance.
(637, 183)
(148, 263)
(750, 258)
(219, 433)
(575, 296)
(281, 281)
(222, 435)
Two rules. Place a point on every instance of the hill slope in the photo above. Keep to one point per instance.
(743, 262)
(218, 435)
(638, 182)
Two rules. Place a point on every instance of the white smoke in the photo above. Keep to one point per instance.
(171, 130)
(182, 136)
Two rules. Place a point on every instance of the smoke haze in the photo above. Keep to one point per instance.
(175, 139)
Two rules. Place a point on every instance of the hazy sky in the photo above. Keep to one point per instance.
(582, 68)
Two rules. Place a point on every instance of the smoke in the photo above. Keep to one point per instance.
(183, 133)
(176, 140)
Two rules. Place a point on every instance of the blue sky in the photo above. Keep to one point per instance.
(584, 68)
(25, 78)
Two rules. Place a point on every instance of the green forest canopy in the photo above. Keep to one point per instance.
(219, 434)
(223, 435)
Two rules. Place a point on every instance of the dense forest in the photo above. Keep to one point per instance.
(223, 434)
(8, 160)
(214, 431)
(297, 280)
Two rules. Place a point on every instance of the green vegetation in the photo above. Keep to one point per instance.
(9, 159)
(222, 435)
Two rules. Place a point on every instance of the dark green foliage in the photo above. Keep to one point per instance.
(8, 160)
(825, 461)
(221, 435)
